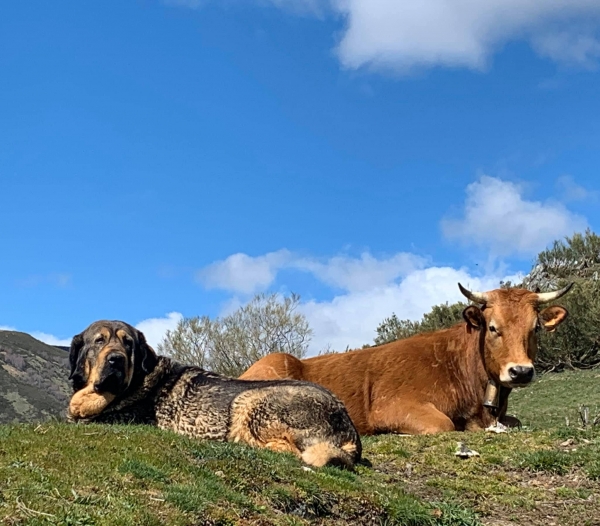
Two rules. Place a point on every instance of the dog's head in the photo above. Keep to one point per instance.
(106, 359)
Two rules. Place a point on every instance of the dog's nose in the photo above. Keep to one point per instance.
(521, 374)
(115, 359)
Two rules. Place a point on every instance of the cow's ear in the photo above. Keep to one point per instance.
(552, 317)
(145, 354)
(74, 352)
(474, 318)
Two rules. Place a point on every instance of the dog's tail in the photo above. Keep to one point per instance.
(326, 453)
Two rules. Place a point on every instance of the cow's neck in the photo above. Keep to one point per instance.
(498, 409)
(468, 371)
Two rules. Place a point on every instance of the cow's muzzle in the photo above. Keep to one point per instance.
(521, 374)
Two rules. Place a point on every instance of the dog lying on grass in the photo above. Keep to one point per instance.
(118, 378)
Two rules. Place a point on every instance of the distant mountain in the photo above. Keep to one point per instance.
(33, 379)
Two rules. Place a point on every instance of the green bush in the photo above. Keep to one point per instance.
(441, 317)
(576, 343)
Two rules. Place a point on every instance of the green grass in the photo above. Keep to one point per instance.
(555, 397)
(123, 475)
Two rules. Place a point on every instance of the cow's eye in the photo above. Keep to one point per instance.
(493, 329)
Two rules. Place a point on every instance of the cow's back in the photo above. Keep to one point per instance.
(275, 366)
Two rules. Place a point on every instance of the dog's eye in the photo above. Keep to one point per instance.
(99, 340)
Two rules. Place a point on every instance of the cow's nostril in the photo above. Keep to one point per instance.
(521, 374)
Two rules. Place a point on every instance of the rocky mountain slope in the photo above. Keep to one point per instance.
(33, 379)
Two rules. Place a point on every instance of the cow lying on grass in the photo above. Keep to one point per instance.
(436, 381)
(117, 378)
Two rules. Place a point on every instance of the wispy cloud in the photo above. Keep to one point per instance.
(56, 279)
(314, 7)
(570, 48)
(192, 4)
(569, 190)
(499, 219)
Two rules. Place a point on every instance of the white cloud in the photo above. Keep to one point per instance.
(358, 274)
(499, 219)
(351, 319)
(243, 273)
(400, 35)
(50, 339)
(154, 329)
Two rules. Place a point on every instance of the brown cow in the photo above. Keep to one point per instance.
(436, 381)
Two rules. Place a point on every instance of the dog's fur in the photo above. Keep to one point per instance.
(117, 378)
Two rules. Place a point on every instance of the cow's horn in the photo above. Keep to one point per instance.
(545, 297)
(477, 297)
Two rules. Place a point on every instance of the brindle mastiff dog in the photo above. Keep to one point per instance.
(117, 378)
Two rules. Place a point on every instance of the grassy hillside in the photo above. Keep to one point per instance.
(544, 474)
(33, 379)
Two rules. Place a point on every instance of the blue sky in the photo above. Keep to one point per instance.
(168, 158)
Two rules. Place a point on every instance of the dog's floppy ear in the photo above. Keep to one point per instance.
(144, 353)
(76, 346)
